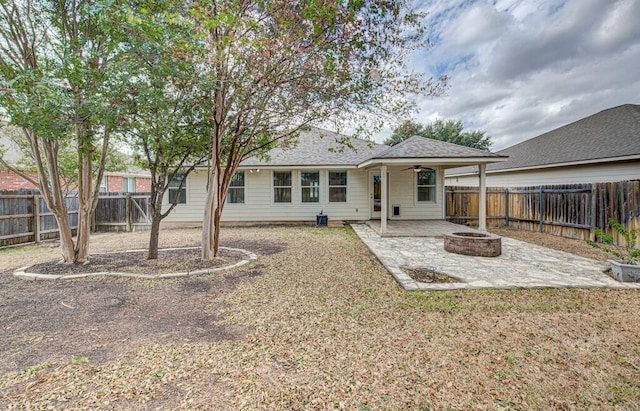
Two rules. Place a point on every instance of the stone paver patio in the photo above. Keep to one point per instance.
(521, 265)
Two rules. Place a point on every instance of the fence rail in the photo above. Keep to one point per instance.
(25, 218)
(565, 210)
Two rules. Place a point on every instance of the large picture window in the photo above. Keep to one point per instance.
(426, 185)
(282, 186)
(310, 186)
(337, 186)
(235, 195)
(175, 190)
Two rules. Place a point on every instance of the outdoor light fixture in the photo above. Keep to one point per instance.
(254, 170)
(417, 169)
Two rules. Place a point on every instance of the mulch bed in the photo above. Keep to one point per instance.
(136, 262)
(425, 275)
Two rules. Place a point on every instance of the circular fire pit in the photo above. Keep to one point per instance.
(477, 244)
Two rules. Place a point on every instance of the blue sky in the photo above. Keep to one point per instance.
(519, 68)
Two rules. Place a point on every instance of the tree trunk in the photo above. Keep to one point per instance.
(85, 181)
(67, 247)
(209, 220)
(154, 237)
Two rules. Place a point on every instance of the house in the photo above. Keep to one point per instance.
(370, 181)
(132, 179)
(604, 147)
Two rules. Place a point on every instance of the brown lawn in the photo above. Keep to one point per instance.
(315, 323)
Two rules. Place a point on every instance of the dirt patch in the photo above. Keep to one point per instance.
(105, 317)
(428, 275)
(168, 261)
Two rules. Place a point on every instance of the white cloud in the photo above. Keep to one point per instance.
(520, 68)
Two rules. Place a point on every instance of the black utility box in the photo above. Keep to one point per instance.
(322, 220)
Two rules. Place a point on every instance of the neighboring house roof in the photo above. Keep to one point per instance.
(13, 155)
(323, 148)
(612, 134)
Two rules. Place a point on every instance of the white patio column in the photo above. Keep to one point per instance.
(482, 207)
(383, 200)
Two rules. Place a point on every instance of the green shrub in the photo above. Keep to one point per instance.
(628, 253)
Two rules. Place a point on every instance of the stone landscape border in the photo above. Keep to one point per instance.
(22, 272)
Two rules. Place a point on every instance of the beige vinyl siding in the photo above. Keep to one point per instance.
(594, 173)
(403, 192)
(193, 210)
(259, 204)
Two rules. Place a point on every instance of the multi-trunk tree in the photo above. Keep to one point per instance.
(59, 82)
(165, 105)
(276, 66)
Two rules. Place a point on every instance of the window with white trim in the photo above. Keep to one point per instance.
(310, 186)
(103, 184)
(337, 186)
(235, 195)
(426, 186)
(175, 190)
(129, 185)
(282, 186)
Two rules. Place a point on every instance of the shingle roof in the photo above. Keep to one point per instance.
(320, 148)
(611, 133)
(420, 147)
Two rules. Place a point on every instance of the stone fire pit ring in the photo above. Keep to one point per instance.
(475, 244)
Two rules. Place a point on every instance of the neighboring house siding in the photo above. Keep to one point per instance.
(592, 173)
(115, 184)
(143, 185)
(10, 181)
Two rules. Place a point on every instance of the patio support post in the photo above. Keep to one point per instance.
(482, 206)
(383, 200)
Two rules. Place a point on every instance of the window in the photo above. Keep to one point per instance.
(175, 191)
(129, 185)
(103, 184)
(282, 186)
(236, 189)
(337, 186)
(310, 186)
(426, 184)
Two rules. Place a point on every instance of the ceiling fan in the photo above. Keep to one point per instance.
(416, 169)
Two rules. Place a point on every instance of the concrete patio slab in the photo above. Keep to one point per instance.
(521, 265)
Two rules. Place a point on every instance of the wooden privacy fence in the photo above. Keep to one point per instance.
(26, 218)
(564, 210)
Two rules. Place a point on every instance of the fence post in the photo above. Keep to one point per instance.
(127, 211)
(540, 208)
(592, 231)
(36, 218)
(506, 206)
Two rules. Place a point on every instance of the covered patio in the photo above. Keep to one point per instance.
(407, 185)
(417, 228)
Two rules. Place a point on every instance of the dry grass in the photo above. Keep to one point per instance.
(329, 328)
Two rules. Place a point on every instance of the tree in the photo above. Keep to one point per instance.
(272, 68)
(164, 128)
(450, 131)
(58, 76)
